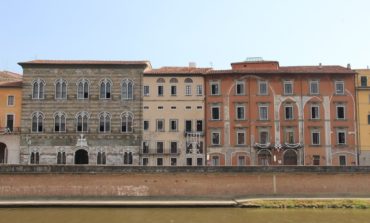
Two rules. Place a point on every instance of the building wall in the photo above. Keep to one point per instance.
(180, 107)
(363, 111)
(48, 143)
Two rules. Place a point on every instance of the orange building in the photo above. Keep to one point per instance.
(10, 116)
(260, 113)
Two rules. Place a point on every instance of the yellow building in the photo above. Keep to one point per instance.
(363, 114)
(10, 116)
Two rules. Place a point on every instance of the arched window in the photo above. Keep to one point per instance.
(127, 89)
(101, 159)
(127, 158)
(188, 86)
(35, 157)
(61, 157)
(82, 120)
(105, 89)
(188, 80)
(37, 122)
(60, 89)
(127, 119)
(104, 122)
(160, 80)
(59, 122)
(83, 89)
(38, 87)
(173, 80)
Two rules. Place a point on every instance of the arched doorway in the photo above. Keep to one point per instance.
(3, 153)
(264, 158)
(290, 157)
(81, 157)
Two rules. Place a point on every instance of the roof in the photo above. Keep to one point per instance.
(85, 62)
(11, 84)
(178, 70)
(292, 70)
(9, 76)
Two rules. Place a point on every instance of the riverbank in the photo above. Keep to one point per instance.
(352, 203)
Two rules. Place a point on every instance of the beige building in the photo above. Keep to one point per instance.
(173, 117)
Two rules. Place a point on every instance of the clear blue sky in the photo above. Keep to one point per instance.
(175, 32)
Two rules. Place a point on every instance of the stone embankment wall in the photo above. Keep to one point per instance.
(20, 181)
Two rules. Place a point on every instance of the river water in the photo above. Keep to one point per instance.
(182, 215)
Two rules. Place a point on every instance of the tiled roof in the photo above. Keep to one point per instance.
(11, 84)
(85, 62)
(178, 70)
(9, 76)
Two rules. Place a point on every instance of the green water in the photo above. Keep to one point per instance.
(179, 215)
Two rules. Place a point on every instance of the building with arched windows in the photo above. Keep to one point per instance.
(82, 112)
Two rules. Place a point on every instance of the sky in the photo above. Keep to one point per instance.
(176, 32)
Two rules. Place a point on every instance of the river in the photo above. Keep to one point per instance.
(182, 215)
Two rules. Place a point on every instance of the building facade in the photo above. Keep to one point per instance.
(173, 113)
(363, 114)
(82, 112)
(10, 116)
(259, 113)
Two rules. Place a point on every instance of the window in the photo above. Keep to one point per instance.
(368, 119)
(240, 114)
(264, 137)
(199, 126)
(188, 107)
(189, 161)
(215, 160)
(241, 160)
(38, 87)
(199, 107)
(215, 112)
(240, 88)
(127, 120)
(82, 119)
(145, 161)
(341, 137)
(105, 89)
(35, 157)
(159, 161)
(127, 89)
(339, 87)
(83, 89)
(315, 137)
(61, 157)
(316, 160)
(59, 122)
(288, 87)
(11, 100)
(289, 136)
(145, 147)
(263, 112)
(146, 107)
(173, 147)
(160, 147)
(215, 88)
(173, 161)
(160, 125)
(173, 125)
(188, 80)
(342, 160)
(173, 80)
(146, 125)
(188, 90)
(160, 107)
(215, 138)
(199, 161)
(101, 158)
(188, 126)
(363, 81)
(173, 107)
(240, 137)
(173, 90)
(60, 89)
(104, 122)
(288, 112)
(160, 90)
(10, 122)
(340, 112)
(127, 158)
(314, 87)
(315, 111)
(146, 90)
(262, 88)
(37, 122)
(199, 90)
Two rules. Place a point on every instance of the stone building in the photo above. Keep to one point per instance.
(82, 112)
(260, 113)
(173, 117)
(10, 116)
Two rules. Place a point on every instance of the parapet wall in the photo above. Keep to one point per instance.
(211, 182)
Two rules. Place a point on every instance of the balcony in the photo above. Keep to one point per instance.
(10, 131)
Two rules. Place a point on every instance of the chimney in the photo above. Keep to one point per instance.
(192, 65)
(348, 66)
(320, 65)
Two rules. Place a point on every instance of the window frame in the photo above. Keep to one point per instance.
(241, 131)
(311, 82)
(217, 88)
(242, 84)
(285, 83)
(260, 83)
(336, 84)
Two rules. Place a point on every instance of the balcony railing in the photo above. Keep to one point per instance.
(9, 131)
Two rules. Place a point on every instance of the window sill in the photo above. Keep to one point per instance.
(312, 145)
